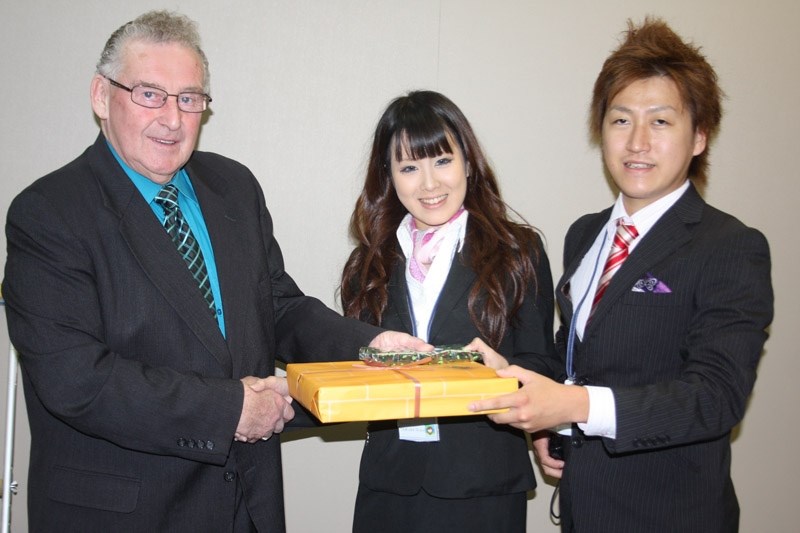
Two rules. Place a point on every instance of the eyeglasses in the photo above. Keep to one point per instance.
(154, 98)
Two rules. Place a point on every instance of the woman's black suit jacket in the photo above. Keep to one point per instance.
(474, 457)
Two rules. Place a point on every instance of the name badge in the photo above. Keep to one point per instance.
(419, 430)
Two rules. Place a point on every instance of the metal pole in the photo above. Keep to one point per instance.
(9, 486)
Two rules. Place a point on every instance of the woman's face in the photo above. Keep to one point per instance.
(432, 189)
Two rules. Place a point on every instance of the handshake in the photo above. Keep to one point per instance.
(267, 406)
(265, 410)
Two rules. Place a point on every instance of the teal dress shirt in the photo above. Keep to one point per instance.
(190, 207)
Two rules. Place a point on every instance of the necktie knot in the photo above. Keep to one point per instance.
(626, 232)
(167, 197)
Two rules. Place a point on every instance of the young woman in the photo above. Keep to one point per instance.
(438, 257)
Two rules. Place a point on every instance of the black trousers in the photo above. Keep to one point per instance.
(423, 513)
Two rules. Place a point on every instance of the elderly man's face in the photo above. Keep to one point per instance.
(154, 142)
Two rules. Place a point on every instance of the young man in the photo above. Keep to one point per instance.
(664, 304)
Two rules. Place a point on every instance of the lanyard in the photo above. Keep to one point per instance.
(574, 320)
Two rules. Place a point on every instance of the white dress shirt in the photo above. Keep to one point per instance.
(424, 295)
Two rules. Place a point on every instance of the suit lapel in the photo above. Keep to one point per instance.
(223, 221)
(398, 296)
(154, 251)
(664, 238)
(573, 261)
(459, 282)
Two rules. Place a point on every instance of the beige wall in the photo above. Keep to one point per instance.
(299, 85)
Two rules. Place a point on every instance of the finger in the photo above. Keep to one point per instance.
(552, 472)
(485, 405)
(258, 384)
(523, 376)
(249, 380)
(421, 346)
(279, 385)
(505, 401)
(477, 345)
(508, 417)
(553, 464)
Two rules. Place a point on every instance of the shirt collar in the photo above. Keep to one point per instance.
(646, 217)
(458, 226)
(148, 188)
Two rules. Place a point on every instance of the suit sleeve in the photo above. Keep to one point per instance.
(532, 329)
(731, 308)
(306, 329)
(56, 323)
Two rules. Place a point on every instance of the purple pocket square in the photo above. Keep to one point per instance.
(651, 284)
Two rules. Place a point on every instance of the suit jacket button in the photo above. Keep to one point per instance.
(577, 441)
(201, 444)
(181, 442)
(192, 443)
(210, 444)
(229, 476)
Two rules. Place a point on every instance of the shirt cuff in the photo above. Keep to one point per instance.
(602, 421)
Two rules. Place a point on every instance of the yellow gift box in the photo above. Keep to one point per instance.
(350, 391)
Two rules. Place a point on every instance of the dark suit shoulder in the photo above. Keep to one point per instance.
(718, 232)
(715, 220)
(219, 163)
(582, 230)
(68, 192)
(226, 177)
(68, 178)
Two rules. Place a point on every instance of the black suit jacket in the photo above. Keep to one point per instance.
(133, 395)
(681, 366)
(474, 457)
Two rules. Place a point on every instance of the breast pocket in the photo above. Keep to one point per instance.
(661, 287)
(648, 299)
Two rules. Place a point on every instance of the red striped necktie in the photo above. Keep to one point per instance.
(619, 252)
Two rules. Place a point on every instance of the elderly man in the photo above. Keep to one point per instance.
(148, 300)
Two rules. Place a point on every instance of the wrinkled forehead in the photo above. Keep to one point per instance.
(172, 59)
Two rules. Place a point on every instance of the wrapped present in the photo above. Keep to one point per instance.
(350, 391)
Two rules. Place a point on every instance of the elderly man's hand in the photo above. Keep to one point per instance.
(395, 340)
(267, 408)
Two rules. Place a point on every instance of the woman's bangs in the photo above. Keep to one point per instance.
(422, 142)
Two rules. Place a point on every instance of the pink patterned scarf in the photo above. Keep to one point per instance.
(426, 246)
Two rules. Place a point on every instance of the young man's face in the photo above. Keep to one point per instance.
(649, 141)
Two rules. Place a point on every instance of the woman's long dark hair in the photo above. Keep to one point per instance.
(501, 252)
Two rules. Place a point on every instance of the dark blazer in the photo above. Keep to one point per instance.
(681, 366)
(474, 457)
(132, 392)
